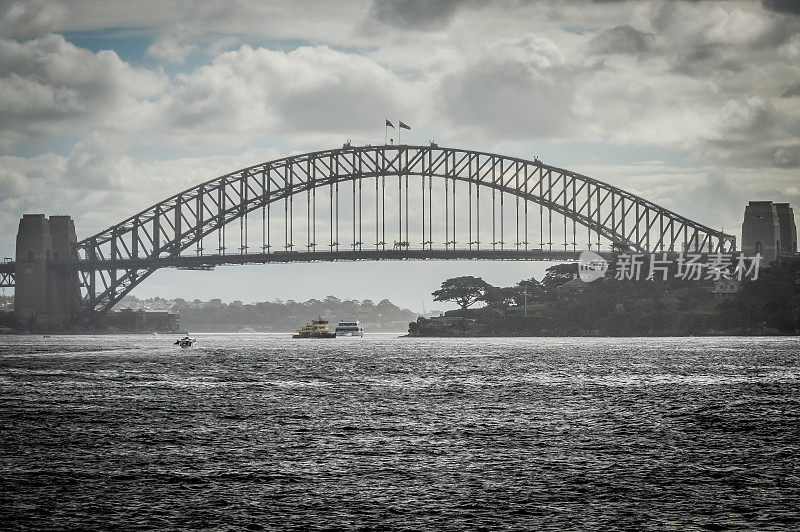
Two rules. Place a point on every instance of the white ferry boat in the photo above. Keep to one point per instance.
(349, 328)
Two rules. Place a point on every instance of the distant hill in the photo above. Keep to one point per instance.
(276, 316)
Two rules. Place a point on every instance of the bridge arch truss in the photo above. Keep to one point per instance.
(114, 261)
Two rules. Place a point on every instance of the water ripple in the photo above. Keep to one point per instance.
(261, 432)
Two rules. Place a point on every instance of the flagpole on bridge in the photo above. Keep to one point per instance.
(401, 125)
(386, 132)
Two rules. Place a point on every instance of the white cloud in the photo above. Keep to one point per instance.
(704, 80)
(99, 188)
(507, 71)
(168, 49)
(309, 90)
(49, 86)
(517, 88)
(22, 19)
(302, 19)
(621, 40)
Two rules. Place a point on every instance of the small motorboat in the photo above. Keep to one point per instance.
(185, 342)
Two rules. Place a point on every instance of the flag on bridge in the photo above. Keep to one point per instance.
(386, 131)
(403, 125)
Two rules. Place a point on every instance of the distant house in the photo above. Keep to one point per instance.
(725, 288)
(576, 284)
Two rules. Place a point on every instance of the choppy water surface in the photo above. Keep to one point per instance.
(251, 431)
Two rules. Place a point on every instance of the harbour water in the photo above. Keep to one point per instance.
(266, 432)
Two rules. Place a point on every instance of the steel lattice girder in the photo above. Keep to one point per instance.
(6, 280)
(175, 224)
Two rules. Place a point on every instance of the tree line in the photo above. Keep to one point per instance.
(275, 316)
(768, 305)
(467, 290)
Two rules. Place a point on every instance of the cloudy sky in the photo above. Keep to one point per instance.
(109, 107)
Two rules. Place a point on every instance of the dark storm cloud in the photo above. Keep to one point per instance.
(791, 7)
(774, 30)
(756, 155)
(703, 43)
(621, 40)
(414, 14)
(786, 156)
(782, 31)
(794, 90)
(703, 60)
(753, 132)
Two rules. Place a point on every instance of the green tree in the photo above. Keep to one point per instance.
(464, 291)
(497, 297)
(558, 275)
(332, 302)
(532, 287)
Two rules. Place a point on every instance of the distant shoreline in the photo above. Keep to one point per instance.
(571, 335)
(405, 334)
(178, 333)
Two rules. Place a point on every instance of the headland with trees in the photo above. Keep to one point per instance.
(563, 305)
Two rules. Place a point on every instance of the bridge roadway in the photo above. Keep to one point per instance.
(206, 261)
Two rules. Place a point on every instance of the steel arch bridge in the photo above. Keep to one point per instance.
(545, 203)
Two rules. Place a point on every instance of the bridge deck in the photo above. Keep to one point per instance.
(205, 261)
(209, 261)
